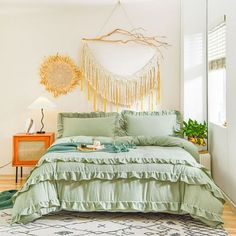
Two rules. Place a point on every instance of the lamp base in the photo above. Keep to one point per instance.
(40, 132)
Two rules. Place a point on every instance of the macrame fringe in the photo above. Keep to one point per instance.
(120, 90)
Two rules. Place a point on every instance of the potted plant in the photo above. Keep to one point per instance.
(195, 132)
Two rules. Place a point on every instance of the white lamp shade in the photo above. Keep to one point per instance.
(41, 103)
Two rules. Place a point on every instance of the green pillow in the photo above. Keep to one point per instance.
(155, 123)
(88, 124)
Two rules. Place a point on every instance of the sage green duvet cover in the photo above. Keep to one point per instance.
(161, 174)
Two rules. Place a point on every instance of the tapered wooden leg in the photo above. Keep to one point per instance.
(21, 171)
(16, 173)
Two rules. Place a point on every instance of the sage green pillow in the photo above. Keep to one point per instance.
(88, 124)
(155, 123)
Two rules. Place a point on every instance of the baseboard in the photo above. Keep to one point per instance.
(231, 203)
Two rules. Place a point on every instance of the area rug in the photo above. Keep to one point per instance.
(105, 224)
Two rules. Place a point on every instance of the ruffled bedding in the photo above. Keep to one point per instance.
(160, 175)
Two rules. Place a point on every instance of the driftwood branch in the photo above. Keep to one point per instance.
(133, 36)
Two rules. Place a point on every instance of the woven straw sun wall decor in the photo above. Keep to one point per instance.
(59, 74)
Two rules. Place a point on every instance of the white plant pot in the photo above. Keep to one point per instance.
(199, 147)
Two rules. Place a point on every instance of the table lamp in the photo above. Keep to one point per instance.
(43, 104)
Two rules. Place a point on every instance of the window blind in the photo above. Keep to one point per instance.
(217, 46)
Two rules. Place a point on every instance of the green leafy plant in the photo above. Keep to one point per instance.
(195, 132)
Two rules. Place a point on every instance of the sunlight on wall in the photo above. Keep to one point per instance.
(193, 53)
(194, 85)
(193, 101)
(217, 96)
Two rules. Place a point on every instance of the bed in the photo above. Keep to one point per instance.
(133, 173)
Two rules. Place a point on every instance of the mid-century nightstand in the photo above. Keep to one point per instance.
(28, 149)
(205, 159)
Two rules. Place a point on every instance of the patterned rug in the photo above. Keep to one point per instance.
(105, 224)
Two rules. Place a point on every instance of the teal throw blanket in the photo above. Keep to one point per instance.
(5, 199)
(108, 147)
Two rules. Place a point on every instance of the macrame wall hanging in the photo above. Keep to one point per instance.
(121, 90)
(59, 74)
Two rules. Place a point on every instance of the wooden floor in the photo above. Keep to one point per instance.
(8, 182)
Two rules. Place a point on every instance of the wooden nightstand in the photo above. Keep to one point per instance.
(28, 149)
(205, 159)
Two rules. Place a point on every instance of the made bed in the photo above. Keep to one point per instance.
(144, 173)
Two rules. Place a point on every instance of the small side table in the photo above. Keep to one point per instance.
(205, 159)
(29, 148)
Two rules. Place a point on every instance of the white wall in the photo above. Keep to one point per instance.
(218, 142)
(30, 32)
(231, 96)
(222, 140)
(193, 82)
(193, 59)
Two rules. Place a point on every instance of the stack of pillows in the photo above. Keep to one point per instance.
(111, 124)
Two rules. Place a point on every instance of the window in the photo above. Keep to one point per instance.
(217, 73)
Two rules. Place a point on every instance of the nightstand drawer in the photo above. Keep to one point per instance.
(205, 159)
(28, 149)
